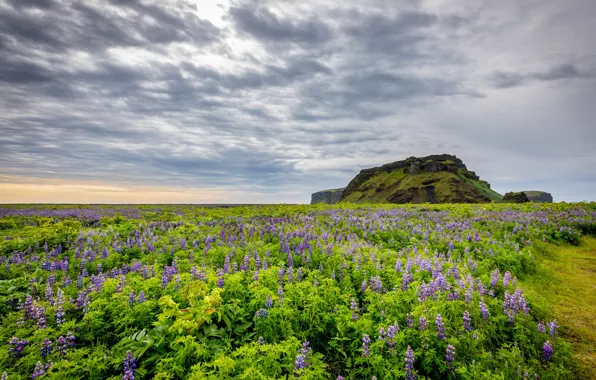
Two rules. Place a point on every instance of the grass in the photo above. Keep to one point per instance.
(493, 195)
(565, 283)
(381, 186)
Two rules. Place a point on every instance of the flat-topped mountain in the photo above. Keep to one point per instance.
(436, 179)
(330, 196)
(539, 196)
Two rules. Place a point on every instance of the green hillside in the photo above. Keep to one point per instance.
(434, 179)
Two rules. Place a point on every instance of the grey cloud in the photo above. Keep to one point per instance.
(337, 87)
(381, 30)
(14, 71)
(77, 149)
(372, 87)
(506, 80)
(560, 72)
(75, 24)
(503, 79)
(40, 4)
(261, 23)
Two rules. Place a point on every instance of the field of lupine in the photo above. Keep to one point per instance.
(270, 292)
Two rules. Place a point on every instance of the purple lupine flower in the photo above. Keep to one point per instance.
(552, 328)
(28, 308)
(130, 366)
(376, 285)
(49, 294)
(41, 317)
(391, 331)
(467, 321)
(38, 371)
(280, 274)
(469, 294)
(406, 280)
(131, 298)
(409, 364)
(299, 364)
(261, 313)
(541, 327)
(268, 302)
(82, 301)
(120, 285)
(16, 347)
(245, 263)
(409, 321)
(70, 340)
(46, 347)
(302, 359)
(450, 355)
(364, 286)
(506, 279)
(61, 345)
(440, 327)
(484, 310)
(261, 341)
(141, 296)
(365, 345)
(422, 323)
(382, 333)
(547, 351)
(299, 274)
(220, 281)
(166, 276)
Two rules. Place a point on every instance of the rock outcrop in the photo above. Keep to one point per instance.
(513, 197)
(330, 196)
(436, 179)
(539, 196)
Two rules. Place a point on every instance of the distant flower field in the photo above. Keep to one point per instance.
(277, 292)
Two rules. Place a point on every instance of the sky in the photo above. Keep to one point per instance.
(180, 101)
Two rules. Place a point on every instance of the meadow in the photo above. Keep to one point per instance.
(492, 291)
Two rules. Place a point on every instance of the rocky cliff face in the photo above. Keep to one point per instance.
(436, 179)
(539, 196)
(330, 196)
(519, 197)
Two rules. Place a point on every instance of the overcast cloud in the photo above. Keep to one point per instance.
(269, 101)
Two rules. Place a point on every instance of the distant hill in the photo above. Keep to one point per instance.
(516, 197)
(539, 196)
(330, 196)
(436, 179)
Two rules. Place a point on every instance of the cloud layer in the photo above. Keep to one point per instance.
(268, 101)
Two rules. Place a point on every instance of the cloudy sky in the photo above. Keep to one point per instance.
(216, 101)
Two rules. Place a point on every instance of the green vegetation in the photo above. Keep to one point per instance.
(313, 292)
(432, 179)
(446, 187)
(564, 285)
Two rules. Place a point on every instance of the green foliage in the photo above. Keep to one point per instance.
(191, 326)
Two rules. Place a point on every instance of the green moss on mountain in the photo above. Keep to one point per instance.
(434, 179)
